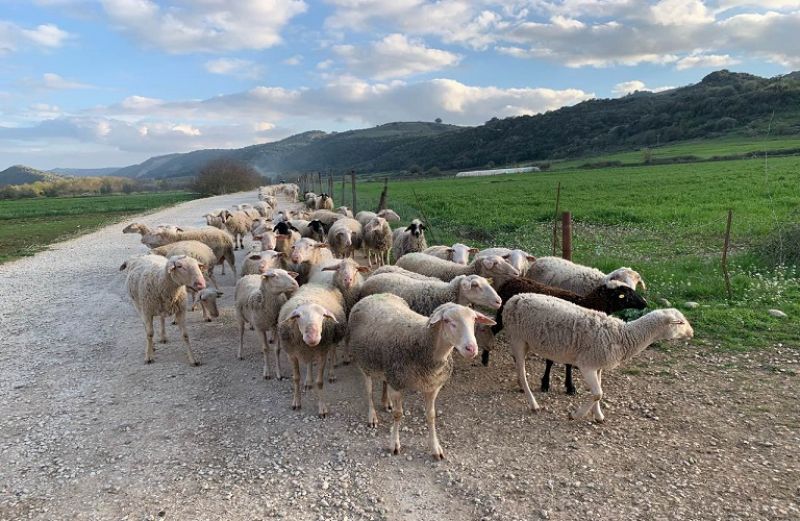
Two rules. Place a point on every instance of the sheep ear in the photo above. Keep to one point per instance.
(423, 227)
(268, 274)
(474, 250)
(202, 267)
(490, 281)
(331, 268)
(280, 254)
(219, 293)
(489, 263)
(449, 250)
(641, 281)
(293, 274)
(257, 237)
(409, 228)
(294, 316)
(436, 317)
(530, 258)
(178, 228)
(329, 315)
(480, 318)
(322, 245)
(124, 266)
(507, 255)
(677, 322)
(362, 269)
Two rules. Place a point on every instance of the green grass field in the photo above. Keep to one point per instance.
(29, 225)
(665, 221)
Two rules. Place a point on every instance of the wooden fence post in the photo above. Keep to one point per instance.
(382, 201)
(725, 272)
(566, 235)
(344, 178)
(555, 218)
(353, 186)
(330, 185)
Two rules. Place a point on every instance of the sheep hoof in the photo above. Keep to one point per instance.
(373, 423)
(535, 410)
(196, 363)
(162, 341)
(438, 456)
(149, 361)
(323, 415)
(267, 377)
(208, 320)
(331, 379)
(345, 362)
(572, 391)
(252, 328)
(600, 420)
(308, 387)
(396, 450)
(295, 407)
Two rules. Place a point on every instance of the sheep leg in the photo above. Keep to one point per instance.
(593, 381)
(546, 376)
(163, 339)
(309, 383)
(265, 349)
(519, 350)
(397, 415)
(212, 279)
(568, 380)
(430, 417)
(180, 317)
(372, 416)
(331, 372)
(385, 402)
(275, 352)
(149, 350)
(596, 412)
(295, 383)
(241, 339)
(322, 407)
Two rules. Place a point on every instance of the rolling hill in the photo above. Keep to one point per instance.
(20, 174)
(84, 172)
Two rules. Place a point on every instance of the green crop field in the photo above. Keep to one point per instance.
(666, 221)
(29, 225)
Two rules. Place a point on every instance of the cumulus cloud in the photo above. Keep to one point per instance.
(297, 59)
(705, 60)
(629, 87)
(14, 37)
(53, 81)
(234, 67)
(395, 56)
(203, 26)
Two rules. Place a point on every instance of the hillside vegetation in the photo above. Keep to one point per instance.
(723, 105)
(20, 174)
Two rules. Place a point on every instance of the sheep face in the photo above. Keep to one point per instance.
(457, 327)
(133, 228)
(266, 259)
(389, 215)
(303, 250)
(460, 253)
(627, 276)
(208, 299)
(479, 292)
(345, 238)
(309, 319)
(679, 327)
(280, 281)
(519, 259)
(498, 266)
(620, 296)
(416, 228)
(186, 271)
(284, 228)
(268, 240)
(346, 273)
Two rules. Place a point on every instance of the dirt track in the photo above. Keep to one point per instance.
(87, 431)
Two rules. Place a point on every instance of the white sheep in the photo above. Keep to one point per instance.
(555, 271)
(590, 340)
(197, 250)
(307, 336)
(345, 211)
(218, 240)
(345, 237)
(150, 236)
(405, 273)
(215, 220)
(520, 259)
(266, 237)
(258, 301)
(208, 303)
(409, 352)
(306, 254)
(458, 253)
(157, 286)
(259, 262)
(408, 240)
(310, 199)
(425, 296)
(323, 202)
(326, 217)
(493, 267)
(264, 209)
(377, 240)
(238, 224)
(364, 216)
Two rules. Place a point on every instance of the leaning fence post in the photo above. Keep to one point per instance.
(382, 201)
(725, 272)
(566, 235)
(555, 218)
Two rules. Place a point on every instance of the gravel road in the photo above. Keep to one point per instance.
(87, 431)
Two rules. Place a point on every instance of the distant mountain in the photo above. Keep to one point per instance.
(723, 103)
(21, 174)
(84, 172)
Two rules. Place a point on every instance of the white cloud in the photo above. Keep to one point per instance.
(234, 67)
(395, 56)
(705, 60)
(178, 26)
(681, 12)
(136, 103)
(14, 37)
(297, 59)
(53, 81)
(629, 87)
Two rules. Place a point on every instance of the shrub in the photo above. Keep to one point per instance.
(223, 176)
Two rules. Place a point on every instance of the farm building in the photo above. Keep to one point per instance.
(499, 171)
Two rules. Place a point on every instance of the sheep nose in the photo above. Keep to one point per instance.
(311, 340)
(200, 285)
(498, 302)
(470, 350)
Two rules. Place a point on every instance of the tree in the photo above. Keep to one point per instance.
(222, 176)
(437, 120)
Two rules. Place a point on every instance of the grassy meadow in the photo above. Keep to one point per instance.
(29, 225)
(666, 221)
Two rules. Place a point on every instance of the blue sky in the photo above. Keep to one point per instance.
(91, 83)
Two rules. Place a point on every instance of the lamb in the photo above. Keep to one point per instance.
(150, 237)
(345, 237)
(377, 240)
(258, 301)
(490, 267)
(306, 254)
(157, 286)
(267, 238)
(405, 273)
(215, 220)
(310, 199)
(416, 356)
(238, 224)
(569, 334)
(520, 259)
(218, 240)
(323, 202)
(259, 263)
(425, 296)
(408, 240)
(307, 336)
(458, 253)
(609, 298)
(555, 271)
(364, 216)
(285, 235)
(208, 302)
(194, 249)
(263, 209)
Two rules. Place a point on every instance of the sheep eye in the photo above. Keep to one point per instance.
(621, 295)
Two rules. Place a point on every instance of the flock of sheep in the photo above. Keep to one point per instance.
(304, 294)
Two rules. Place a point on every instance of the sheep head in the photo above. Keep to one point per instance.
(186, 271)
(309, 319)
(279, 281)
(478, 291)
(457, 327)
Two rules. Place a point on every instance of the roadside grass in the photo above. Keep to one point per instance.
(666, 221)
(28, 226)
